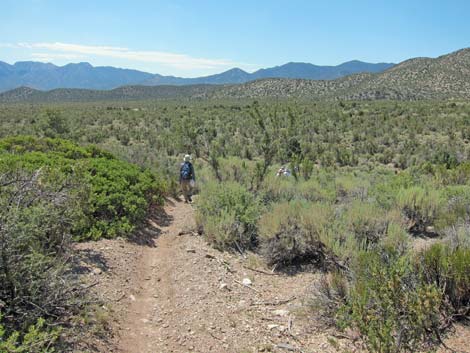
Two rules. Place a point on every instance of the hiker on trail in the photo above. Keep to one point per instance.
(283, 171)
(187, 178)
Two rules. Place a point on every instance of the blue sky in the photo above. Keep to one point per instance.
(199, 37)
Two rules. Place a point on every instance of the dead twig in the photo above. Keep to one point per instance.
(240, 250)
(262, 271)
(343, 336)
(120, 298)
(185, 232)
(296, 339)
(90, 285)
(439, 338)
(279, 302)
(41, 309)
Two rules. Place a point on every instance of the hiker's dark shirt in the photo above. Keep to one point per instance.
(191, 168)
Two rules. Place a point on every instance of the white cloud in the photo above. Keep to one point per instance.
(47, 57)
(178, 61)
(8, 45)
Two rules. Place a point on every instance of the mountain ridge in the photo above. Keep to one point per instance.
(289, 70)
(444, 77)
(47, 76)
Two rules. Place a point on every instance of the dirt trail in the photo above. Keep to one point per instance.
(147, 325)
(181, 295)
(174, 293)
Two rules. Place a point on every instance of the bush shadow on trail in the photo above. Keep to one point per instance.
(156, 219)
(84, 260)
(304, 265)
(159, 217)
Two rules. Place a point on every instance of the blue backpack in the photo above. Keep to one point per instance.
(186, 171)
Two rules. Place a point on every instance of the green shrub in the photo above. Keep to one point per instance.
(295, 232)
(449, 269)
(278, 189)
(386, 190)
(458, 235)
(457, 207)
(60, 148)
(330, 293)
(228, 214)
(351, 187)
(117, 193)
(237, 170)
(460, 175)
(314, 190)
(120, 194)
(396, 240)
(421, 206)
(37, 211)
(307, 167)
(390, 305)
(37, 339)
(367, 221)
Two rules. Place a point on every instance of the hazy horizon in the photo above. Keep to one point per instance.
(133, 68)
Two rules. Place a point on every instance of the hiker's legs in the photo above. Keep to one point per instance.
(186, 189)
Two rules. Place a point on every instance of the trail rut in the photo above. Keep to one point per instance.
(143, 328)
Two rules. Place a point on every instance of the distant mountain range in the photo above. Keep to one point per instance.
(445, 77)
(46, 77)
(290, 70)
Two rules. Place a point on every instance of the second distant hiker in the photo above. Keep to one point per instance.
(187, 178)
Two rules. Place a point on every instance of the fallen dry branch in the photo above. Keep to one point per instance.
(240, 250)
(90, 285)
(262, 271)
(279, 302)
(120, 298)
